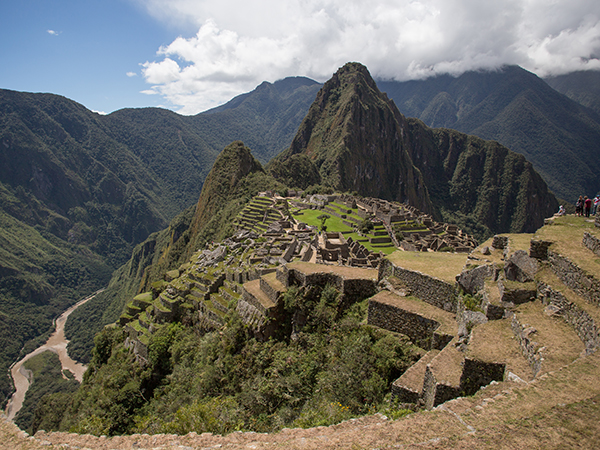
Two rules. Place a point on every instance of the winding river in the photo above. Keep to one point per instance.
(56, 343)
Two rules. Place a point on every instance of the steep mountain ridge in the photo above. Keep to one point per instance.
(357, 140)
(519, 110)
(353, 136)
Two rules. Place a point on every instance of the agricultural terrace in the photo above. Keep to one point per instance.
(344, 224)
(442, 265)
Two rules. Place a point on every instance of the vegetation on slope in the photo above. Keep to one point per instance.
(40, 277)
(333, 368)
(516, 108)
(47, 379)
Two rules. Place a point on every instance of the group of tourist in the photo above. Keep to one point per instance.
(583, 206)
(587, 206)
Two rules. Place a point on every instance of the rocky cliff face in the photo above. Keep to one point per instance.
(354, 136)
(478, 184)
(358, 141)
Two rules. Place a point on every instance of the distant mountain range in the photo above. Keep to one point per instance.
(582, 87)
(558, 135)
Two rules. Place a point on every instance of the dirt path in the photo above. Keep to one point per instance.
(56, 343)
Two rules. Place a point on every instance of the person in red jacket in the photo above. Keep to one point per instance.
(587, 202)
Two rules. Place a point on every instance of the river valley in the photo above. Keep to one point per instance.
(56, 343)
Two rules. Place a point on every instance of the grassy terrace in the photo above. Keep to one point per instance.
(567, 233)
(335, 224)
(444, 266)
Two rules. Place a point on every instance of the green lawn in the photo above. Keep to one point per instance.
(309, 217)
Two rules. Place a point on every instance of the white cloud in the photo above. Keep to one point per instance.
(53, 33)
(131, 74)
(239, 44)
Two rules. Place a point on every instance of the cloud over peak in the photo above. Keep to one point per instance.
(240, 44)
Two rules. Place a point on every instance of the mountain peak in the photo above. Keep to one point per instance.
(353, 135)
(233, 164)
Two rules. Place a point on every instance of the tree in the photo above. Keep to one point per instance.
(323, 218)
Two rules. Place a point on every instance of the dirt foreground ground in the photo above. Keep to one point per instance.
(560, 409)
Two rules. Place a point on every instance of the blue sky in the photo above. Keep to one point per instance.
(82, 49)
(191, 55)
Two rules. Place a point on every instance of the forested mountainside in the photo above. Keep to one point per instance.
(559, 136)
(582, 87)
(358, 141)
(79, 190)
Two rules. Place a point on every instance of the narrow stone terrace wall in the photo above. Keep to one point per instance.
(530, 348)
(352, 289)
(576, 278)
(580, 320)
(431, 290)
(591, 242)
(419, 329)
(478, 373)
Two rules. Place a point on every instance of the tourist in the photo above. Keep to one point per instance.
(561, 211)
(596, 201)
(587, 202)
(579, 206)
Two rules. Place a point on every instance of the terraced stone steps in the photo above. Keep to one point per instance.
(563, 302)
(409, 387)
(427, 326)
(443, 375)
(495, 343)
(253, 294)
(548, 342)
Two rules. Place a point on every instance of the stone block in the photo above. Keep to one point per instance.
(520, 267)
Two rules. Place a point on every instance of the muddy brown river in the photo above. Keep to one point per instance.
(56, 343)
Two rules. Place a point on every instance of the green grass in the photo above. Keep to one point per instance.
(309, 217)
(335, 224)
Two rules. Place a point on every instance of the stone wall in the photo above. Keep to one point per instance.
(581, 321)
(529, 347)
(431, 290)
(576, 278)
(269, 290)
(419, 329)
(250, 314)
(478, 373)
(591, 242)
(473, 280)
(539, 249)
(352, 289)
(436, 393)
(500, 242)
